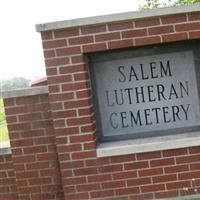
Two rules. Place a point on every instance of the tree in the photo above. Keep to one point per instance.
(149, 4)
(13, 83)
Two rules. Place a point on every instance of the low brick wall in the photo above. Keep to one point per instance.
(8, 188)
(34, 159)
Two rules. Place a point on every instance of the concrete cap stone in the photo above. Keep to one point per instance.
(118, 17)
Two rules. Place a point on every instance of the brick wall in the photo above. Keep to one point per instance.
(8, 189)
(34, 155)
(54, 137)
(84, 176)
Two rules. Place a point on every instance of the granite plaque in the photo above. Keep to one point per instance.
(145, 94)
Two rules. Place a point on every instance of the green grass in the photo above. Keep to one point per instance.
(3, 132)
(3, 127)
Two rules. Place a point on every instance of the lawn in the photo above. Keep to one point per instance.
(3, 126)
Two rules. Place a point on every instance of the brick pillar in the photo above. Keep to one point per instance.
(33, 147)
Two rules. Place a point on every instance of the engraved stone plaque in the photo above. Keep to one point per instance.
(146, 94)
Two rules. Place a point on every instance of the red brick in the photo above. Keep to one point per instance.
(72, 69)
(26, 174)
(164, 178)
(93, 29)
(54, 44)
(85, 111)
(78, 104)
(77, 59)
(88, 187)
(188, 159)
(11, 119)
(81, 76)
(68, 51)
(166, 194)
(85, 171)
(138, 181)
(126, 191)
(119, 159)
(64, 114)
(102, 194)
(66, 33)
(72, 165)
(59, 79)
(136, 165)
(194, 35)
(161, 30)
(100, 178)
(79, 121)
(82, 138)
(77, 196)
(147, 41)
(152, 188)
(194, 16)
(113, 184)
(30, 117)
(26, 100)
(69, 189)
(187, 26)
(69, 148)
(174, 37)
(56, 62)
(120, 44)
(49, 53)
(94, 47)
(107, 37)
(65, 131)
(176, 169)
(120, 26)
(178, 185)
(40, 181)
(134, 33)
(51, 71)
(110, 168)
(174, 152)
(9, 102)
(61, 97)
(46, 35)
(147, 22)
(142, 196)
(34, 149)
(150, 172)
(84, 94)
(189, 175)
(24, 159)
(75, 86)
(46, 156)
(148, 155)
(162, 162)
(81, 40)
(173, 19)
(90, 146)
(88, 128)
(54, 88)
(74, 181)
(125, 175)
(21, 143)
(195, 166)
(84, 155)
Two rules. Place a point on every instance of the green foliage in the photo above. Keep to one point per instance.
(14, 83)
(3, 126)
(149, 4)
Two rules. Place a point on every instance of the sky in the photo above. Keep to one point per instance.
(21, 46)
